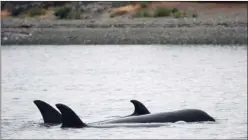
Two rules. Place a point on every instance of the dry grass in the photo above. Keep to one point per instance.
(49, 14)
(5, 14)
(203, 8)
(124, 10)
(210, 8)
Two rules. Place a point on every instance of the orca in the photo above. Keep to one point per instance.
(71, 120)
(52, 116)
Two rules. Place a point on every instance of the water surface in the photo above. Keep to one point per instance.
(98, 82)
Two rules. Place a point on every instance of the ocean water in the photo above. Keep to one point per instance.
(98, 82)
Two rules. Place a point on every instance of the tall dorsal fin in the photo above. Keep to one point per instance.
(50, 115)
(69, 117)
(139, 108)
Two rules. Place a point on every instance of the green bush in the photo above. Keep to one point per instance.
(143, 14)
(184, 14)
(162, 12)
(194, 15)
(36, 12)
(63, 12)
(177, 14)
(144, 4)
(174, 10)
(74, 15)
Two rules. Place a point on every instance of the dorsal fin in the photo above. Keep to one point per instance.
(69, 117)
(50, 115)
(139, 108)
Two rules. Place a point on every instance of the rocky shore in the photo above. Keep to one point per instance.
(206, 29)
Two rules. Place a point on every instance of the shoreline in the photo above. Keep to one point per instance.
(217, 31)
(216, 24)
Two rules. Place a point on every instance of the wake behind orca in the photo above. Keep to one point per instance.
(51, 116)
(71, 119)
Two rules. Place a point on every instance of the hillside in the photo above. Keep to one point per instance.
(94, 10)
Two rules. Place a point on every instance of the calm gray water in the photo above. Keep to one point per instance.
(98, 82)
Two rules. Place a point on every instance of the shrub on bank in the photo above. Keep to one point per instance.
(162, 12)
(67, 12)
(194, 15)
(74, 15)
(174, 10)
(177, 14)
(36, 12)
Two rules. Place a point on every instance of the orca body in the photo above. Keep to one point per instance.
(139, 109)
(71, 119)
(52, 116)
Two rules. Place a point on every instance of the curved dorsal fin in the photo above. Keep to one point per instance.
(69, 117)
(139, 108)
(50, 115)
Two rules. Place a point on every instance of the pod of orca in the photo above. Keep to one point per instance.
(141, 115)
